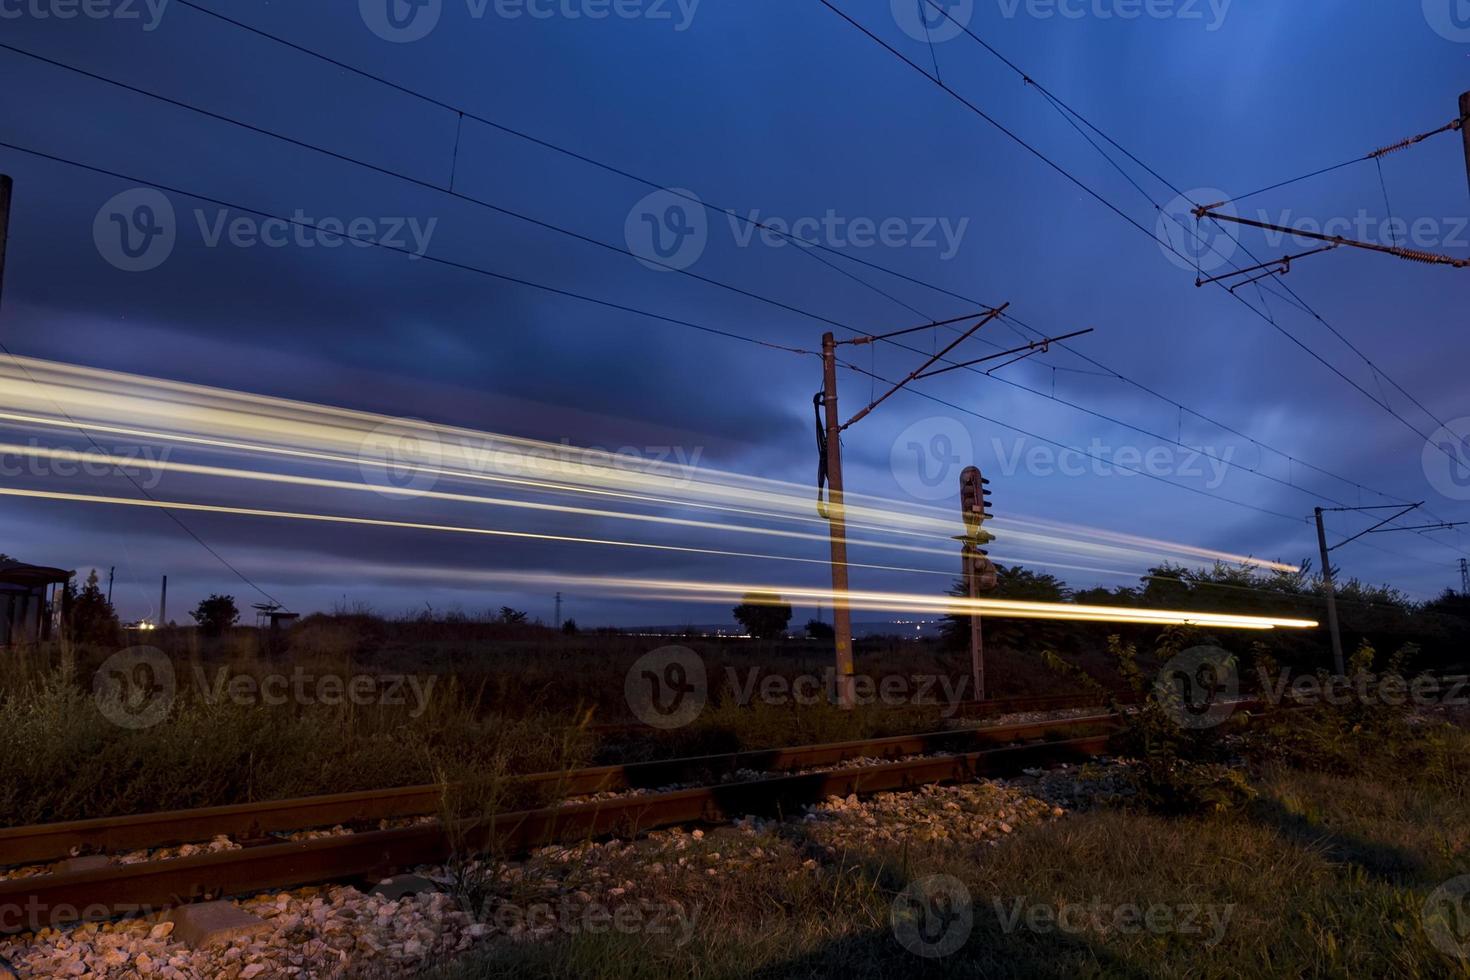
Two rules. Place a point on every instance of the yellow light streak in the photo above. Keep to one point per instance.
(197, 469)
(240, 421)
(88, 498)
(901, 602)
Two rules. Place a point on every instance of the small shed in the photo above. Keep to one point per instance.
(27, 601)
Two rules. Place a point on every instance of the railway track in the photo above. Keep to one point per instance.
(265, 863)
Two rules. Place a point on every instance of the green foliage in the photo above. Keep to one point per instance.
(87, 615)
(763, 615)
(1178, 769)
(1011, 582)
(216, 614)
(1364, 723)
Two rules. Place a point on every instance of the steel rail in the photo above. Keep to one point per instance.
(253, 822)
(137, 889)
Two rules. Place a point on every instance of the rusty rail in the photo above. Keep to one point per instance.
(56, 899)
(254, 821)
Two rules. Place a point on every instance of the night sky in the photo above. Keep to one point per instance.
(779, 110)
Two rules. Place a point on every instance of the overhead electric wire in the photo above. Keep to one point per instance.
(1110, 206)
(470, 268)
(976, 110)
(590, 240)
(1301, 303)
(586, 239)
(1082, 452)
(812, 247)
(595, 241)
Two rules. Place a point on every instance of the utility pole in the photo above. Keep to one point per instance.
(829, 449)
(1465, 128)
(1464, 577)
(1380, 528)
(110, 573)
(557, 621)
(837, 523)
(163, 604)
(1327, 586)
(6, 185)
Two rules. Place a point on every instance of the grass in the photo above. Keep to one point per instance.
(1322, 876)
(63, 759)
(506, 700)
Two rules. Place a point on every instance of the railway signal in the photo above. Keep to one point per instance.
(979, 570)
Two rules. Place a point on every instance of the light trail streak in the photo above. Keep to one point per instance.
(240, 421)
(903, 602)
(1054, 542)
(88, 498)
(76, 456)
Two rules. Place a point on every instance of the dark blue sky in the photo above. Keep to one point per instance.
(778, 110)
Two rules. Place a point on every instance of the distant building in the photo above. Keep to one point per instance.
(28, 601)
